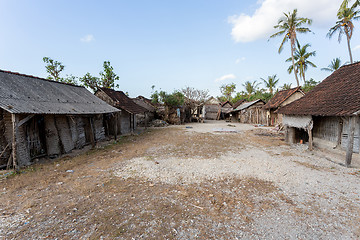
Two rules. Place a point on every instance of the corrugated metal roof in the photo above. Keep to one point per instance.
(20, 93)
(247, 104)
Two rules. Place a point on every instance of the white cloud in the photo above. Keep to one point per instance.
(225, 77)
(87, 38)
(240, 60)
(356, 48)
(261, 24)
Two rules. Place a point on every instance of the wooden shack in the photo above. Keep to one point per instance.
(280, 99)
(40, 117)
(144, 118)
(250, 112)
(211, 108)
(128, 108)
(328, 116)
(226, 109)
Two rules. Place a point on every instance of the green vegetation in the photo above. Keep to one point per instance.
(345, 25)
(289, 26)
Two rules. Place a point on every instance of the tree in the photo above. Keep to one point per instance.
(69, 79)
(227, 90)
(345, 25)
(194, 96)
(334, 65)
(175, 99)
(53, 68)
(309, 85)
(107, 80)
(286, 86)
(251, 87)
(108, 77)
(289, 26)
(301, 60)
(91, 82)
(271, 82)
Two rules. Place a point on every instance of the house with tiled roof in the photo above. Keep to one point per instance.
(143, 119)
(129, 109)
(329, 114)
(280, 99)
(44, 118)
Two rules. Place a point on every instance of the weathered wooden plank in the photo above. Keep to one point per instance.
(350, 146)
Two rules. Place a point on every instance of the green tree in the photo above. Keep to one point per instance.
(175, 99)
(251, 87)
(91, 82)
(289, 26)
(286, 86)
(227, 90)
(345, 25)
(309, 85)
(53, 68)
(301, 60)
(271, 82)
(334, 65)
(108, 76)
(69, 79)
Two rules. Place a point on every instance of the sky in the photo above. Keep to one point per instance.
(170, 44)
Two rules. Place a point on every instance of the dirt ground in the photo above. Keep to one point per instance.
(195, 181)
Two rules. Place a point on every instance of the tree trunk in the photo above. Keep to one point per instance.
(348, 43)
(293, 63)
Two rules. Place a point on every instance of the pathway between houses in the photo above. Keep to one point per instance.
(207, 181)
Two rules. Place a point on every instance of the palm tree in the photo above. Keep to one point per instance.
(286, 86)
(251, 87)
(334, 65)
(344, 25)
(289, 26)
(271, 82)
(301, 60)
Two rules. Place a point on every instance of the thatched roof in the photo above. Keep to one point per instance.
(280, 97)
(337, 95)
(123, 102)
(20, 93)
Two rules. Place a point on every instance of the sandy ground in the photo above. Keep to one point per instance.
(194, 181)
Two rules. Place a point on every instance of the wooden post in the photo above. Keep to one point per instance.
(340, 130)
(309, 130)
(116, 126)
(15, 120)
(92, 133)
(350, 145)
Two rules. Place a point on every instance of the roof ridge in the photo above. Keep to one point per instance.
(31, 76)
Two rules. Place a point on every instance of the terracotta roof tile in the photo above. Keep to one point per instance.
(280, 97)
(337, 95)
(123, 101)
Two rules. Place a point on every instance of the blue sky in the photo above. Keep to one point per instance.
(169, 44)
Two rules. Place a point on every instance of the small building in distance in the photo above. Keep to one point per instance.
(211, 109)
(40, 117)
(226, 108)
(144, 118)
(280, 99)
(250, 112)
(328, 115)
(128, 107)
